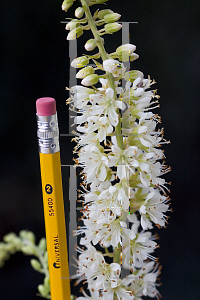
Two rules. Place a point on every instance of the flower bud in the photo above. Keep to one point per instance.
(90, 45)
(81, 89)
(126, 48)
(47, 281)
(72, 25)
(133, 56)
(46, 256)
(42, 244)
(80, 62)
(28, 250)
(36, 265)
(85, 72)
(75, 33)
(125, 52)
(79, 12)
(44, 291)
(67, 4)
(132, 75)
(90, 80)
(104, 12)
(112, 27)
(12, 249)
(27, 235)
(11, 238)
(111, 18)
(110, 65)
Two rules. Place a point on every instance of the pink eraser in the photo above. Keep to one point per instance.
(46, 106)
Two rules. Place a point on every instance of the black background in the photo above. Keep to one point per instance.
(34, 62)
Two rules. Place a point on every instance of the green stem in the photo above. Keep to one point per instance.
(104, 56)
(117, 254)
(111, 84)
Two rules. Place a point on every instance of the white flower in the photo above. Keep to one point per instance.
(143, 281)
(125, 160)
(113, 230)
(88, 259)
(107, 105)
(94, 295)
(153, 209)
(114, 67)
(114, 198)
(150, 171)
(101, 124)
(148, 279)
(138, 249)
(105, 272)
(120, 291)
(95, 162)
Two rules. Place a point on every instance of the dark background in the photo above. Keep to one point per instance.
(34, 62)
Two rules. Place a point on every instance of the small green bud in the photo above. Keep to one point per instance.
(14, 242)
(27, 249)
(90, 45)
(85, 72)
(4, 255)
(67, 4)
(111, 18)
(42, 244)
(9, 238)
(36, 265)
(104, 12)
(132, 75)
(90, 80)
(44, 291)
(72, 25)
(47, 282)
(112, 27)
(30, 236)
(46, 257)
(75, 33)
(79, 12)
(10, 248)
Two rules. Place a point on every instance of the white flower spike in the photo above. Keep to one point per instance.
(118, 148)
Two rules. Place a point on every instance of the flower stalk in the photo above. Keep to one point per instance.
(104, 56)
(122, 163)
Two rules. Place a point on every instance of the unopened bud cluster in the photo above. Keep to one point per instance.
(103, 17)
(25, 243)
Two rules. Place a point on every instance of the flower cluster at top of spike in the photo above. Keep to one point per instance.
(120, 184)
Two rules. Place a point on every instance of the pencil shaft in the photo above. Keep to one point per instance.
(55, 226)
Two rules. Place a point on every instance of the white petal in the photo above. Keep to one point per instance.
(113, 117)
(101, 134)
(110, 93)
(145, 143)
(103, 173)
(143, 209)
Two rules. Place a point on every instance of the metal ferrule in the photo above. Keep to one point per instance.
(48, 134)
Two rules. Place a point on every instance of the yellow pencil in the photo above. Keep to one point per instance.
(48, 139)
